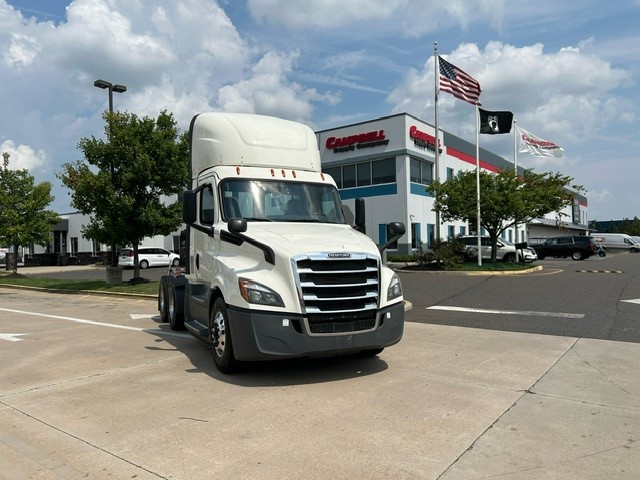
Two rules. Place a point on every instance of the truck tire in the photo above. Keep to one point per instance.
(175, 317)
(162, 301)
(220, 337)
(577, 255)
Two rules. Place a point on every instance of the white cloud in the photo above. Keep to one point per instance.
(269, 92)
(23, 156)
(22, 50)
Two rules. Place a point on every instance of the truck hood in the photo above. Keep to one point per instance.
(293, 238)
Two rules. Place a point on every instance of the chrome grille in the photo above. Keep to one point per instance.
(339, 295)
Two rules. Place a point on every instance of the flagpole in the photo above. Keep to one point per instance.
(479, 232)
(515, 166)
(437, 135)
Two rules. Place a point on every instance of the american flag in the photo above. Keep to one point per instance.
(458, 83)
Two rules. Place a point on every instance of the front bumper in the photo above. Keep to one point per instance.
(269, 336)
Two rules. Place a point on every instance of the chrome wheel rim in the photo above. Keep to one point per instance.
(171, 307)
(163, 300)
(218, 334)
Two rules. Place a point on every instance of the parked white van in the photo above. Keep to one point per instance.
(616, 241)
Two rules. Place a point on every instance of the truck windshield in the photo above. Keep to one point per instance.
(280, 201)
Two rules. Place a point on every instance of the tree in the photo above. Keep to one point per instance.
(23, 218)
(506, 199)
(626, 225)
(123, 183)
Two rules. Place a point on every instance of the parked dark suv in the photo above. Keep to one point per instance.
(578, 248)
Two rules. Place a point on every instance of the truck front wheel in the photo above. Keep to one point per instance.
(220, 337)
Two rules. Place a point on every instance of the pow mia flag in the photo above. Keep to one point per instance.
(495, 122)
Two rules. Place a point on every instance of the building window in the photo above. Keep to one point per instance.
(348, 176)
(463, 230)
(414, 170)
(383, 171)
(431, 228)
(420, 171)
(415, 235)
(364, 174)
(452, 232)
(74, 246)
(336, 174)
(449, 173)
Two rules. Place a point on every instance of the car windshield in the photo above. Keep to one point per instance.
(280, 201)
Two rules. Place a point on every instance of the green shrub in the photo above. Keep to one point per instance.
(442, 255)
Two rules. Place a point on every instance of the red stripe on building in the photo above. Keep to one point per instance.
(472, 160)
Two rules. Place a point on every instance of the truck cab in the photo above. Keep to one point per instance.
(273, 268)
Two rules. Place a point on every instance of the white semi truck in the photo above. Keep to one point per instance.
(272, 269)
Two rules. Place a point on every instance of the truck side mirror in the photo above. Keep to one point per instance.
(237, 225)
(360, 216)
(189, 207)
(396, 230)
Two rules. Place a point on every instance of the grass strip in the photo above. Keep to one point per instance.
(150, 288)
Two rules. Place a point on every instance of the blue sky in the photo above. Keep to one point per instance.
(567, 70)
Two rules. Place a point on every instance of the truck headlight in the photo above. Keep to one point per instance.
(253, 292)
(395, 288)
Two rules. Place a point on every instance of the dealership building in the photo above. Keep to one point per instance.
(389, 161)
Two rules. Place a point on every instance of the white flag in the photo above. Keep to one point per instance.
(537, 146)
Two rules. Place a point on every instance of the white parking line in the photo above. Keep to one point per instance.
(507, 312)
(99, 324)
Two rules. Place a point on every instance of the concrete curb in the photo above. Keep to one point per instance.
(399, 268)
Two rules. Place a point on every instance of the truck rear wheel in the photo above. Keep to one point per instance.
(220, 337)
(176, 318)
(162, 301)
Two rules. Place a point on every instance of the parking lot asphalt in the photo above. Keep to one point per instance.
(97, 388)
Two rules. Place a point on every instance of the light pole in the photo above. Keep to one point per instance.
(112, 88)
(118, 89)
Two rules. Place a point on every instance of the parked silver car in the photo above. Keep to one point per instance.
(148, 257)
(506, 250)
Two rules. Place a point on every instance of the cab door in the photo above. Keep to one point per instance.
(206, 245)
